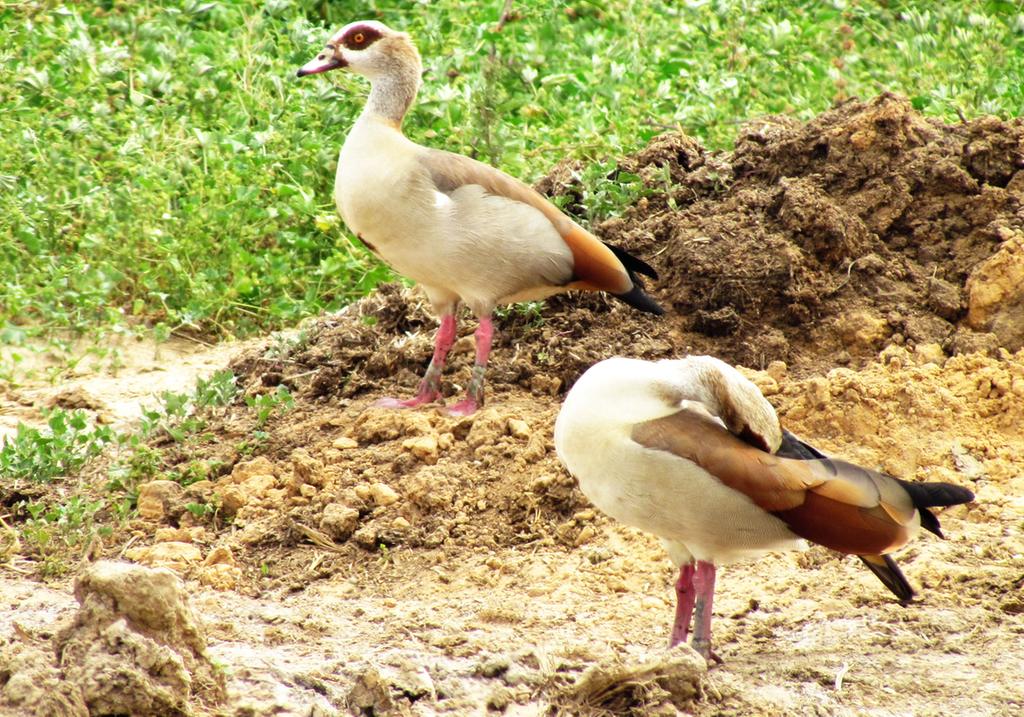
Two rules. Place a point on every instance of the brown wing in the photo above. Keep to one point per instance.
(595, 266)
(832, 503)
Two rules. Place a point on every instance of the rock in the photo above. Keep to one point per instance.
(944, 299)
(33, 685)
(371, 695)
(377, 425)
(777, 370)
(344, 443)
(966, 464)
(413, 681)
(818, 393)
(588, 533)
(965, 341)
(930, 353)
(518, 428)
(488, 426)
(259, 485)
(232, 498)
(159, 499)
(544, 384)
(339, 521)
(862, 330)
(245, 470)
(172, 554)
(499, 698)
(248, 482)
(220, 576)
(1017, 387)
(180, 535)
(423, 447)
(536, 447)
(765, 383)
(366, 537)
(493, 666)
(675, 673)
(219, 570)
(995, 294)
(305, 469)
(382, 494)
(201, 491)
(927, 329)
(220, 555)
(135, 646)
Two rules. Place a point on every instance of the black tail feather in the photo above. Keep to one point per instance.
(934, 495)
(923, 495)
(632, 264)
(793, 447)
(886, 570)
(636, 298)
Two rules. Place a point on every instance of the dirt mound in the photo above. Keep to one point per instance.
(133, 647)
(819, 243)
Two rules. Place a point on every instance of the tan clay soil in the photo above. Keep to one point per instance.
(868, 266)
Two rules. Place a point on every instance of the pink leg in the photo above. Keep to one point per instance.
(475, 393)
(430, 387)
(684, 605)
(704, 583)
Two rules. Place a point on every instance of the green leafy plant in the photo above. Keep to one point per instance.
(178, 414)
(53, 527)
(278, 401)
(61, 449)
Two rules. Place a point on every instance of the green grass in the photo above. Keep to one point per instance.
(162, 166)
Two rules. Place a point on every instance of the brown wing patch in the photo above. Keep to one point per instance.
(832, 503)
(845, 527)
(771, 482)
(595, 266)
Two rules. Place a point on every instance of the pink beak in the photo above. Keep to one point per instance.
(321, 63)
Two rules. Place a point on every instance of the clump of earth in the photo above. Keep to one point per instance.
(866, 269)
(134, 646)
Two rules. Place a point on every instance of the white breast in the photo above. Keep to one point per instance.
(481, 247)
(376, 188)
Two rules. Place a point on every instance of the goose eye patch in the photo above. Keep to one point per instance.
(359, 38)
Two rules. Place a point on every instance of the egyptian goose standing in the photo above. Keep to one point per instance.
(463, 230)
(691, 451)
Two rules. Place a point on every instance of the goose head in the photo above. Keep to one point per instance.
(368, 48)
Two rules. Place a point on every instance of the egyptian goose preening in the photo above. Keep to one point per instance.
(691, 451)
(463, 230)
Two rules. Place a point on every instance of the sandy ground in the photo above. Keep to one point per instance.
(116, 395)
